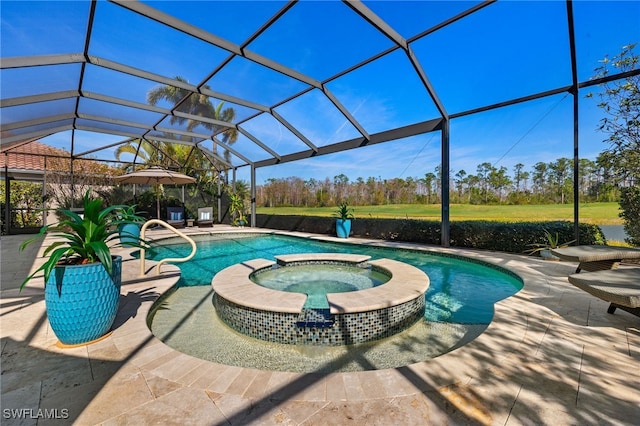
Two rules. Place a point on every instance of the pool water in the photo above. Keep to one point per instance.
(316, 280)
(460, 291)
(459, 307)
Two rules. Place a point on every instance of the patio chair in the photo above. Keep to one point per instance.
(620, 287)
(593, 258)
(205, 216)
(175, 216)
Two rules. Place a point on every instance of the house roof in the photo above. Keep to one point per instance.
(30, 156)
(31, 160)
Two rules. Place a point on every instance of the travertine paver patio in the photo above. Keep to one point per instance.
(552, 356)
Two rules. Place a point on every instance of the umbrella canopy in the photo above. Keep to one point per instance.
(155, 176)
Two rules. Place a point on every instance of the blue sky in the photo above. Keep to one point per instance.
(508, 49)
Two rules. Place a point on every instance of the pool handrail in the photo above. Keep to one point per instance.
(168, 259)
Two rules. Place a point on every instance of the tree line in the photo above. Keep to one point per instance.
(544, 183)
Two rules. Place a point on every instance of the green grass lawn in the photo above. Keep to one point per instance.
(595, 213)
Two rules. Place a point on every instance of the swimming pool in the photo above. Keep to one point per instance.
(459, 305)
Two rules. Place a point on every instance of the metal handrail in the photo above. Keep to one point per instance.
(169, 259)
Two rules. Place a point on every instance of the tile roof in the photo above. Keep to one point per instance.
(30, 156)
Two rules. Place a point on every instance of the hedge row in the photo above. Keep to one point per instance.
(486, 235)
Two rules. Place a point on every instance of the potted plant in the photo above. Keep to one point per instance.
(344, 216)
(236, 209)
(82, 278)
(544, 250)
(129, 226)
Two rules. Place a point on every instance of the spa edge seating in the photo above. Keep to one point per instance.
(602, 277)
(205, 216)
(175, 216)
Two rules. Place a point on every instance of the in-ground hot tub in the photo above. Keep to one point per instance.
(370, 314)
(318, 278)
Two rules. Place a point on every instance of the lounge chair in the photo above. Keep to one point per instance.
(175, 216)
(205, 216)
(596, 257)
(619, 287)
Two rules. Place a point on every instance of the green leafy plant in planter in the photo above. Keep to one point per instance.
(236, 209)
(344, 216)
(543, 249)
(129, 223)
(82, 278)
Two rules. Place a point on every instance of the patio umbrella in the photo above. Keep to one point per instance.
(155, 176)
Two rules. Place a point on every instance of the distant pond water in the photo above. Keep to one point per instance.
(614, 232)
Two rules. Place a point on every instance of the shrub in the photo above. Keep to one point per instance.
(486, 235)
(506, 236)
(630, 206)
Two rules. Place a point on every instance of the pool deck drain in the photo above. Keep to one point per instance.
(552, 355)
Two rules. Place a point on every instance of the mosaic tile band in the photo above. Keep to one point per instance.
(281, 327)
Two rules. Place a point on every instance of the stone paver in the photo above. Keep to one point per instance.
(552, 356)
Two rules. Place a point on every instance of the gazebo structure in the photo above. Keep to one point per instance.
(250, 85)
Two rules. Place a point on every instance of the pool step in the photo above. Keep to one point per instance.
(315, 318)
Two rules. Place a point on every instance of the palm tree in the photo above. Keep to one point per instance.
(191, 160)
(145, 151)
(200, 105)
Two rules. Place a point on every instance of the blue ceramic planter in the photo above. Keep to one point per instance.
(129, 233)
(82, 301)
(343, 227)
